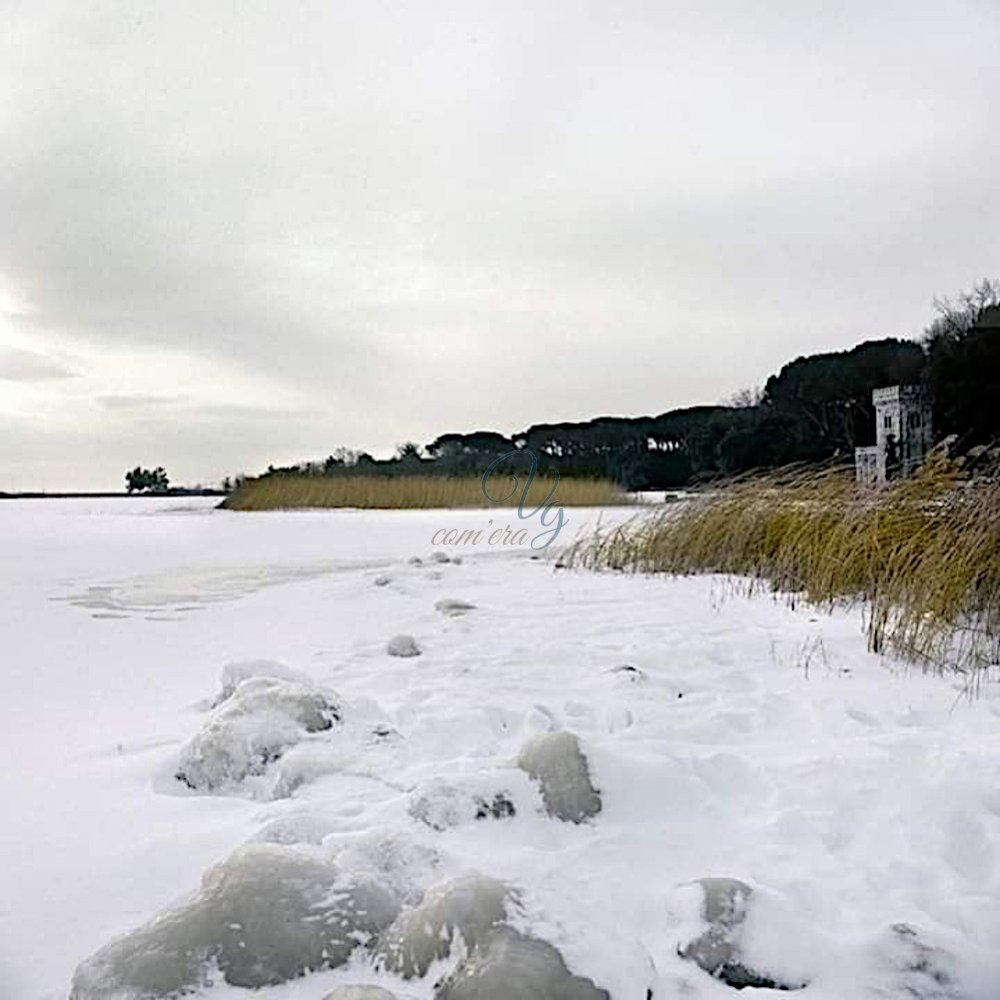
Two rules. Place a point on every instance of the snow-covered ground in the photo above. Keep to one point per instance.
(725, 736)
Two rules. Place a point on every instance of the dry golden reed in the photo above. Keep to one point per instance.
(411, 492)
(921, 555)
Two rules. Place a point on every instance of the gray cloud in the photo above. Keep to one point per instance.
(446, 216)
(18, 365)
(135, 401)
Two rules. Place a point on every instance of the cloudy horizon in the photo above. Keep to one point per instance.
(237, 234)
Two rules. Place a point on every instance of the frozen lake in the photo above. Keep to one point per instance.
(726, 737)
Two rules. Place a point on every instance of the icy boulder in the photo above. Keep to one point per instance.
(266, 915)
(507, 965)
(466, 909)
(262, 718)
(360, 993)
(557, 763)
(718, 949)
(403, 645)
(453, 606)
(441, 805)
(234, 673)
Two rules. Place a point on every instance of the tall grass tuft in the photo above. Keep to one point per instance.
(409, 492)
(922, 556)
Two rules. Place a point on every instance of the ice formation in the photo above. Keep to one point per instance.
(718, 949)
(464, 909)
(266, 915)
(261, 718)
(556, 762)
(403, 645)
(507, 965)
(453, 606)
(441, 805)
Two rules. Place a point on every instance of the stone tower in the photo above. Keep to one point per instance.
(903, 434)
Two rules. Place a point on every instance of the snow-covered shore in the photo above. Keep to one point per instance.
(726, 737)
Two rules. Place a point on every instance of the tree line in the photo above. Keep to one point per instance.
(815, 408)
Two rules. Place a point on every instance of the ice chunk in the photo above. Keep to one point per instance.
(360, 993)
(403, 645)
(465, 908)
(261, 719)
(507, 965)
(453, 606)
(556, 762)
(442, 805)
(266, 915)
(718, 949)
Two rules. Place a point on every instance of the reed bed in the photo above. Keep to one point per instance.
(921, 556)
(412, 492)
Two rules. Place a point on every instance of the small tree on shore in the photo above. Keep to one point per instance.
(147, 480)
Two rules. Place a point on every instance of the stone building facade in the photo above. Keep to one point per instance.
(903, 434)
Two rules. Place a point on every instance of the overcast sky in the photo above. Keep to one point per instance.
(235, 233)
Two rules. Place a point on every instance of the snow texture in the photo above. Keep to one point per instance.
(266, 915)
(859, 798)
(507, 965)
(360, 993)
(462, 911)
(557, 763)
(910, 967)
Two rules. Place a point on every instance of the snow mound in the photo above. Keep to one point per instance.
(557, 763)
(253, 727)
(237, 671)
(453, 606)
(264, 916)
(403, 645)
(441, 805)
(511, 966)
(360, 993)
(909, 967)
(465, 908)
(720, 947)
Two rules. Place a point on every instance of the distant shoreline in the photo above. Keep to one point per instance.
(166, 495)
